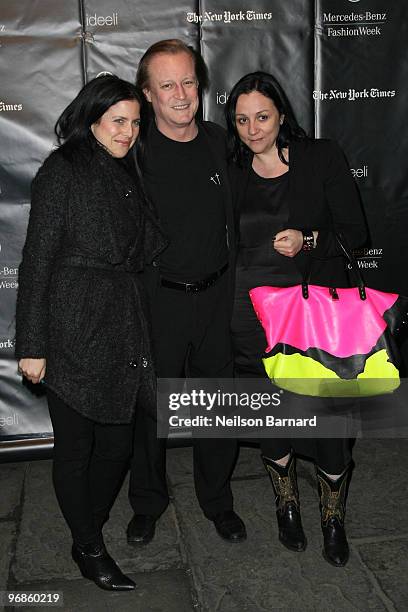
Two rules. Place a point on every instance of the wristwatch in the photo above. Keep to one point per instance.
(308, 240)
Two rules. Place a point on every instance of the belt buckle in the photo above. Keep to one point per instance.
(202, 284)
(191, 287)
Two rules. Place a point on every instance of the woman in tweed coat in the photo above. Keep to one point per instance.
(81, 326)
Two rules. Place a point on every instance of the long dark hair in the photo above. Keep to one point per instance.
(269, 86)
(73, 128)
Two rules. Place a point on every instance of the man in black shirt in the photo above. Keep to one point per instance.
(184, 166)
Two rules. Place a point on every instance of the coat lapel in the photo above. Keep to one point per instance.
(304, 195)
(219, 156)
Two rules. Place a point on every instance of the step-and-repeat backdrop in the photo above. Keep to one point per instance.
(342, 62)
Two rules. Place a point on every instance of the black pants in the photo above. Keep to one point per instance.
(89, 463)
(332, 455)
(191, 337)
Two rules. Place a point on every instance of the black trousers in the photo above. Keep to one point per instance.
(191, 337)
(90, 460)
(332, 455)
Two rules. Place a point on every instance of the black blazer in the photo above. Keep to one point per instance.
(322, 196)
(80, 301)
(215, 137)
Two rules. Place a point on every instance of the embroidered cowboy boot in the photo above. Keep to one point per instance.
(284, 484)
(332, 510)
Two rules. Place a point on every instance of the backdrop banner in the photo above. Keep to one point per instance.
(342, 62)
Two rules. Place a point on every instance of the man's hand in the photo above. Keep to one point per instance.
(32, 369)
(288, 242)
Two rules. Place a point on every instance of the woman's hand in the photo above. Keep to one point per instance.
(288, 242)
(32, 369)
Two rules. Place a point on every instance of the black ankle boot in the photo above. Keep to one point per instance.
(284, 484)
(96, 564)
(332, 509)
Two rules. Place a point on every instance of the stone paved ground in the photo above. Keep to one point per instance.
(188, 567)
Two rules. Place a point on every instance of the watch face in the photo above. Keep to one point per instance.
(308, 242)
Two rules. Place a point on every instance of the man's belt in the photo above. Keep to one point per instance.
(200, 285)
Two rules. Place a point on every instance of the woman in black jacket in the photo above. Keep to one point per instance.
(80, 325)
(292, 194)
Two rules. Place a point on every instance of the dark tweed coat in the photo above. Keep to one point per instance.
(80, 301)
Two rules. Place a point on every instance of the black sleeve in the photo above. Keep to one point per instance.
(344, 204)
(49, 196)
(238, 178)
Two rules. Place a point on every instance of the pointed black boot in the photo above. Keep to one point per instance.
(97, 565)
(332, 509)
(284, 484)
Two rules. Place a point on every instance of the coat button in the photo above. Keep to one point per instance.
(133, 364)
